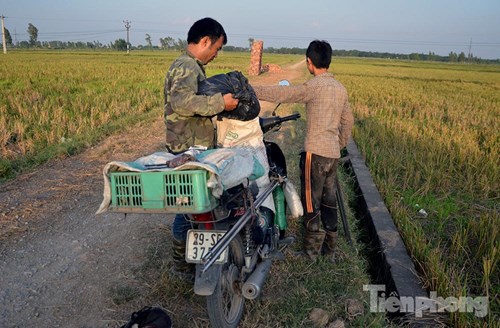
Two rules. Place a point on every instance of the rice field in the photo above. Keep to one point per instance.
(60, 102)
(429, 132)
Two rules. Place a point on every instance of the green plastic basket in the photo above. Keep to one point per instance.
(161, 192)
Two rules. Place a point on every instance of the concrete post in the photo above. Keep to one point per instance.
(256, 58)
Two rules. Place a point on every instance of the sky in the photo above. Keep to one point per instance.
(396, 26)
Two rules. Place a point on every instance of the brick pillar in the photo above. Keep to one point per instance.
(256, 58)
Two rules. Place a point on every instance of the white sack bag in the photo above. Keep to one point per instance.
(293, 200)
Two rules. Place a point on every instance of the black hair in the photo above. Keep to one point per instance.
(320, 53)
(206, 27)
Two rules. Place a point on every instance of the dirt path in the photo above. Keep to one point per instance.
(61, 261)
(60, 264)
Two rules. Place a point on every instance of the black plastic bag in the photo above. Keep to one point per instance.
(236, 83)
(149, 317)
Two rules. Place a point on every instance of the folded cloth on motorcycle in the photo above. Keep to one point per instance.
(236, 83)
(227, 168)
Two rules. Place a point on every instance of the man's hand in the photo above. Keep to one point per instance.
(230, 103)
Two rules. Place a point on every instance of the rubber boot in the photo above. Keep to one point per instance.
(330, 245)
(181, 268)
(313, 241)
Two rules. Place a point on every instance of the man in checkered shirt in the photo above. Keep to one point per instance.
(329, 125)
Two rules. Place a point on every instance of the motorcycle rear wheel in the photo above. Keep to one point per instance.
(225, 305)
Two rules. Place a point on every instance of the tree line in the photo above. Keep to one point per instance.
(452, 57)
(169, 43)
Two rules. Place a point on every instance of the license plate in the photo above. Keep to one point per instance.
(199, 242)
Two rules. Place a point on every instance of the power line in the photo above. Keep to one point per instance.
(75, 33)
(47, 35)
(60, 19)
(277, 37)
(273, 38)
(265, 36)
(370, 41)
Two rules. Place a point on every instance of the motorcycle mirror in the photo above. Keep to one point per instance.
(283, 83)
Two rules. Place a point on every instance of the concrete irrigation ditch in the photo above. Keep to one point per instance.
(393, 272)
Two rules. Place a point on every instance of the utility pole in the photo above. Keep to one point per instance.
(4, 42)
(127, 26)
(470, 51)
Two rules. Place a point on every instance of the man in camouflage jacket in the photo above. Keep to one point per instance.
(188, 116)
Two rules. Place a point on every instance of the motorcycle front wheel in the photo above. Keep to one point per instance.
(225, 305)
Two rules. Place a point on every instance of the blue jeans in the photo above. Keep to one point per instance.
(180, 227)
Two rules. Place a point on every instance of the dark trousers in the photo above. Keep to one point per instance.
(317, 181)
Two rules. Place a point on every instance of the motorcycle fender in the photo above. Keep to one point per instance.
(275, 157)
(204, 283)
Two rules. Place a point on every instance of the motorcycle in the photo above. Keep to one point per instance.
(232, 259)
(234, 239)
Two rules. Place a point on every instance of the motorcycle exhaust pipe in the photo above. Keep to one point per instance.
(252, 287)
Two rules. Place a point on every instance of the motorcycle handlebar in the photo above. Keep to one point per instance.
(268, 123)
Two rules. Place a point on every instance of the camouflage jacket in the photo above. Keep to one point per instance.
(188, 115)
